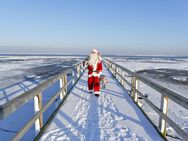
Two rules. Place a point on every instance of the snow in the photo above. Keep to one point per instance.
(180, 78)
(143, 64)
(112, 116)
(164, 67)
(19, 74)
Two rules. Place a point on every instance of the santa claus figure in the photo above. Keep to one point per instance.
(94, 66)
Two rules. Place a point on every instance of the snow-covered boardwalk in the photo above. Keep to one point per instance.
(112, 116)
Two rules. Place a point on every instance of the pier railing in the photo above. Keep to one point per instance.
(119, 72)
(36, 95)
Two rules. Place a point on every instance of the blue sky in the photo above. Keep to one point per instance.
(124, 27)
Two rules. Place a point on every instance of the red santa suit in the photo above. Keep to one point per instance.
(94, 72)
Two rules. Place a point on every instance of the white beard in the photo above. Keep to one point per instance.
(93, 60)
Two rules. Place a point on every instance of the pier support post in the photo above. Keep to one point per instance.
(122, 75)
(62, 83)
(73, 73)
(37, 107)
(134, 94)
(111, 67)
(164, 108)
(116, 72)
(78, 71)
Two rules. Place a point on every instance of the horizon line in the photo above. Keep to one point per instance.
(57, 54)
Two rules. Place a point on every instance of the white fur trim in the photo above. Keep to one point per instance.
(95, 74)
(96, 92)
(90, 75)
(95, 51)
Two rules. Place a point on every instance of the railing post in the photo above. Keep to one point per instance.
(132, 86)
(62, 83)
(111, 67)
(65, 83)
(78, 69)
(37, 107)
(108, 64)
(122, 75)
(116, 72)
(134, 94)
(73, 73)
(164, 107)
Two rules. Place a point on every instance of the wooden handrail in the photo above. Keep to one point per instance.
(12, 105)
(39, 113)
(166, 93)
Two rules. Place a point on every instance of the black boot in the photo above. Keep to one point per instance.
(97, 95)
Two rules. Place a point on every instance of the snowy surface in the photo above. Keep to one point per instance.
(109, 114)
(21, 73)
(171, 73)
(111, 117)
